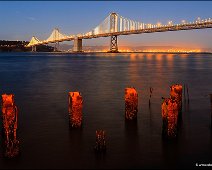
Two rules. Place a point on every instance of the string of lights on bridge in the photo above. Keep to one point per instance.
(120, 25)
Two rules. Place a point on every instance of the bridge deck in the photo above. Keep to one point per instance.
(177, 27)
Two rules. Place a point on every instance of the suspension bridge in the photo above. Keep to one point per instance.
(113, 26)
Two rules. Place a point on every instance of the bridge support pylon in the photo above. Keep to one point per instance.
(113, 28)
(77, 45)
(114, 44)
(34, 48)
(56, 47)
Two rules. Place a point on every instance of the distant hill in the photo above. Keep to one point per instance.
(19, 46)
(66, 47)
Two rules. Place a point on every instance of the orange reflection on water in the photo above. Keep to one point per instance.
(133, 56)
(148, 56)
(159, 57)
(169, 56)
(173, 50)
(183, 55)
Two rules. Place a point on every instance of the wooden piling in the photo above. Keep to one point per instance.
(176, 94)
(75, 109)
(211, 108)
(187, 93)
(10, 125)
(184, 94)
(131, 103)
(169, 110)
(100, 145)
(150, 95)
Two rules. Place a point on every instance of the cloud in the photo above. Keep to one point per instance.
(31, 18)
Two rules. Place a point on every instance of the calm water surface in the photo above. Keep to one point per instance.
(41, 82)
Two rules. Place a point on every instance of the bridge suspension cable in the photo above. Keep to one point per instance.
(56, 36)
(120, 25)
(33, 41)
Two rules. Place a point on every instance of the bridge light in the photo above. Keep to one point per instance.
(170, 23)
(158, 24)
(183, 21)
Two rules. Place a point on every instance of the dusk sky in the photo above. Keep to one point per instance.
(22, 20)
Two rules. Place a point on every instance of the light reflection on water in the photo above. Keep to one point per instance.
(41, 82)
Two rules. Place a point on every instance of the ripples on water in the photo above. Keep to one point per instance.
(41, 82)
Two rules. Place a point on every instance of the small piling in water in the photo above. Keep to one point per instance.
(10, 125)
(100, 145)
(187, 93)
(131, 103)
(150, 90)
(169, 109)
(75, 109)
(184, 94)
(211, 108)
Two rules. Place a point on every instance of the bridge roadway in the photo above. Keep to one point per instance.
(139, 31)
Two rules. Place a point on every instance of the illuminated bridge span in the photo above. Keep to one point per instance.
(115, 25)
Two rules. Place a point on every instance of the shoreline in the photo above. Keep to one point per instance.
(61, 52)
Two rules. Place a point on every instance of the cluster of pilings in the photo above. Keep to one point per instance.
(171, 111)
(75, 113)
(10, 125)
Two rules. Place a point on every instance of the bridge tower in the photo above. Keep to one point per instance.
(113, 28)
(56, 46)
(77, 45)
(34, 48)
(56, 37)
